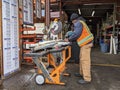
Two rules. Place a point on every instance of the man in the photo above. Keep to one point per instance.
(84, 39)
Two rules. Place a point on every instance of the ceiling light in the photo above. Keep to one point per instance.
(79, 11)
(93, 12)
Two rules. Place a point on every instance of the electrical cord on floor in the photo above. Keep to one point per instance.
(107, 65)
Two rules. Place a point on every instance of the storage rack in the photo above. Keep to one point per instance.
(27, 39)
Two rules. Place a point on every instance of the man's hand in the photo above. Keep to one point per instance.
(66, 40)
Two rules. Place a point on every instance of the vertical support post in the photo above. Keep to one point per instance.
(20, 8)
(1, 46)
(47, 13)
(60, 9)
(98, 30)
(60, 36)
(98, 33)
(118, 10)
(114, 19)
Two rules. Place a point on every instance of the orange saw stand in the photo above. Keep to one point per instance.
(47, 74)
(58, 70)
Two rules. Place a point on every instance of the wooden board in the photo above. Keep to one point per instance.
(0, 38)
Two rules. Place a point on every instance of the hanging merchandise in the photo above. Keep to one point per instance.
(28, 11)
(38, 9)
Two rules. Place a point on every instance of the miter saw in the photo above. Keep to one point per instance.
(55, 29)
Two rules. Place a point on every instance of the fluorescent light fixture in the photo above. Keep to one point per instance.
(93, 12)
(79, 11)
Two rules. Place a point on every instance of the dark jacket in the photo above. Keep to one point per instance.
(77, 31)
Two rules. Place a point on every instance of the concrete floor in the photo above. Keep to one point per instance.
(103, 77)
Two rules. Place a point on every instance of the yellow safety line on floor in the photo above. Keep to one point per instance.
(108, 65)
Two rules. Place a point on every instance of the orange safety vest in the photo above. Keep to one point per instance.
(86, 36)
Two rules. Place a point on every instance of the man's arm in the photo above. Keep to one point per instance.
(77, 31)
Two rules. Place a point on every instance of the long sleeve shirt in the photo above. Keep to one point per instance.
(68, 34)
(77, 31)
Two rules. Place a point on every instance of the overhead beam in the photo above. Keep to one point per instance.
(87, 2)
(88, 8)
(93, 17)
(47, 13)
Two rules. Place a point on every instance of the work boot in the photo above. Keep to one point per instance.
(82, 81)
(78, 75)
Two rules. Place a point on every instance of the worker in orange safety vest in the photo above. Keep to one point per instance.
(84, 39)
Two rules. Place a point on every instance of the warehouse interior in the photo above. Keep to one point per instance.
(32, 58)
